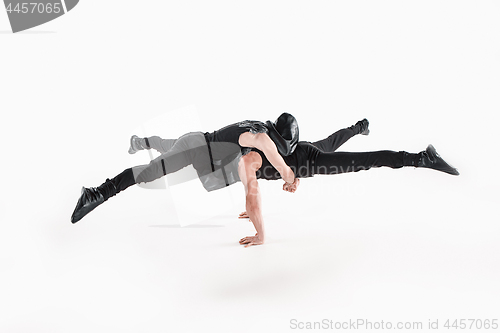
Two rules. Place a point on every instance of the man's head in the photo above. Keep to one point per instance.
(284, 132)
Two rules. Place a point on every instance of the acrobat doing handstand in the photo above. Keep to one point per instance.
(251, 150)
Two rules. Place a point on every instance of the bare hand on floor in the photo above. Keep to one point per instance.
(251, 240)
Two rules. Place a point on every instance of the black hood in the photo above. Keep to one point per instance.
(284, 132)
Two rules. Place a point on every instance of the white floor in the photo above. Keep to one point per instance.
(424, 249)
(407, 245)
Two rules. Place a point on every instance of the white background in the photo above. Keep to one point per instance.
(393, 245)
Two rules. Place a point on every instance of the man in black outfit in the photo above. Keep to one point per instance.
(319, 157)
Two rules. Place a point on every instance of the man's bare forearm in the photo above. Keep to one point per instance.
(269, 149)
(279, 164)
(254, 211)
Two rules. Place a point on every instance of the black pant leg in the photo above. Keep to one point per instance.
(334, 141)
(187, 149)
(342, 162)
(124, 180)
(159, 144)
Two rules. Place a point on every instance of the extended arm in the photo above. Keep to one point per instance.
(263, 142)
(248, 165)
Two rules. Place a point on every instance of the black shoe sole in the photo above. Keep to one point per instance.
(85, 205)
(367, 130)
(437, 162)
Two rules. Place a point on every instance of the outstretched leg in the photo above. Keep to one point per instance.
(341, 162)
(155, 142)
(188, 149)
(334, 141)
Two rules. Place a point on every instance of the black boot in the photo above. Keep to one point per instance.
(137, 144)
(91, 198)
(361, 127)
(431, 159)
